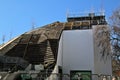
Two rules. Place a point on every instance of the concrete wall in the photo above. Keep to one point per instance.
(102, 63)
(78, 50)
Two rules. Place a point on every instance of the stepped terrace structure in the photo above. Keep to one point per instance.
(42, 49)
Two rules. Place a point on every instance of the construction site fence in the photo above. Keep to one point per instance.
(56, 76)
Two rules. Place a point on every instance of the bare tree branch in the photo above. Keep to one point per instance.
(115, 38)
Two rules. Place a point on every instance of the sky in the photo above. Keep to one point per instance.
(18, 16)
